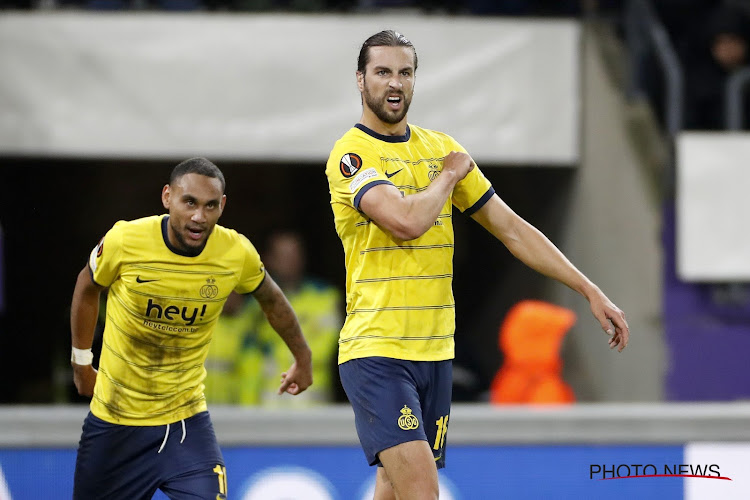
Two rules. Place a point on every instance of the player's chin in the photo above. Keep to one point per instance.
(193, 247)
(396, 114)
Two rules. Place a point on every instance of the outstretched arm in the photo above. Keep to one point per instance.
(531, 247)
(84, 312)
(409, 217)
(281, 316)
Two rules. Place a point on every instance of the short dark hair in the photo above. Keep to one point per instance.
(200, 166)
(386, 38)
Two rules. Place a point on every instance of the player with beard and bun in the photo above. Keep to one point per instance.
(168, 278)
(393, 186)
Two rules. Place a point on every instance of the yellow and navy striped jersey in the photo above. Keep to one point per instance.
(162, 306)
(399, 297)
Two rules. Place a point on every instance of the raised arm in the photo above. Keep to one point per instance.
(533, 248)
(409, 217)
(281, 317)
(84, 312)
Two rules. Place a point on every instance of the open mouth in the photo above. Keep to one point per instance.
(394, 101)
(195, 233)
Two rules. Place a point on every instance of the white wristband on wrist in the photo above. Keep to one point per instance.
(82, 356)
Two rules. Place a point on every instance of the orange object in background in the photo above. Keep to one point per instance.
(530, 339)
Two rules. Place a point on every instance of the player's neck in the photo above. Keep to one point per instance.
(375, 124)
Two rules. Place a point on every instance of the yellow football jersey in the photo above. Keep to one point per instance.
(162, 306)
(399, 294)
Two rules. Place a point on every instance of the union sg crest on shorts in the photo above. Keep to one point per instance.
(407, 421)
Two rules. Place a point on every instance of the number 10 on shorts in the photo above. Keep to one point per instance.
(442, 430)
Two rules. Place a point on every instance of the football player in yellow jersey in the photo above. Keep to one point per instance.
(393, 187)
(168, 278)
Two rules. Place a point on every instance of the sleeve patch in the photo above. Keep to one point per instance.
(362, 177)
(350, 164)
(95, 254)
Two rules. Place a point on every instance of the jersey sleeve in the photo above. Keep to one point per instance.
(253, 272)
(352, 169)
(105, 258)
(473, 191)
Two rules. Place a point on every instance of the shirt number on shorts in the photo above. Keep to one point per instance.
(442, 425)
(221, 472)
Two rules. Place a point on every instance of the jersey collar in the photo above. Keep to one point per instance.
(386, 138)
(172, 248)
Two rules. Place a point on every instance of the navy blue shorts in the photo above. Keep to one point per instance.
(132, 462)
(397, 401)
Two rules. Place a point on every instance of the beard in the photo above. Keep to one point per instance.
(182, 244)
(378, 106)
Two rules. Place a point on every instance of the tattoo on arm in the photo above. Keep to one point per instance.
(281, 316)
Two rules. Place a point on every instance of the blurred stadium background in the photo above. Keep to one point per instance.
(575, 112)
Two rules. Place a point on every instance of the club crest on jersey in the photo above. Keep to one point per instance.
(407, 421)
(433, 172)
(350, 164)
(100, 248)
(209, 290)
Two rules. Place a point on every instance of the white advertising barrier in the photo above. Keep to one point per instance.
(278, 87)
(713, 178)
(734, 460)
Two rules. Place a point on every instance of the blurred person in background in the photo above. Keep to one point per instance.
(721, 49)
(248, 355)
(235, 360)
(319, 309)
(393, 186)
(168, 278)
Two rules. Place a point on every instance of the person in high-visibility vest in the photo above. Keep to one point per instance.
(232, 378)
(319, 310)
(246, 355)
